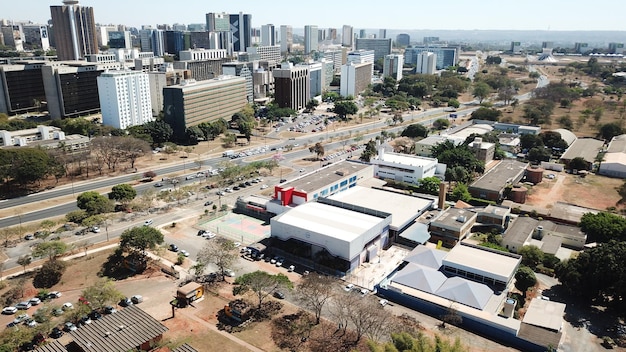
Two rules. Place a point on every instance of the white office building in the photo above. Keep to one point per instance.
(347, 36)
(286, 39)
(355, 78)
(426, 63)
(202, 54)
(393, 66)
(268, 35)
(124, 98)
(405, 168)
(310, 39)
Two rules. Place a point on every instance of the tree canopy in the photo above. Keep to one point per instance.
(219, 252)
(524, 279)
(603, 227)
(94, 203)
(51, 249)
(123, 193)
(415, 130)
(345, 108)
(141, 238)
(261, 283)
(102, 293)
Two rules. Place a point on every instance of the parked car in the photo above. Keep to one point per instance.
(207, 203)
(383, 302)
(264, 186)
(29, 237)
(291, 268)
(69, 326)
(58, 312)
(94, 315)
(136, 299)
(109, 310)
(229, 272)
(95, 229)
(54, 294)
(184, 252)
(86, 320)
(158, 184)
(364, 292)
(34, 301)
(31, 323)
(125, 302)
(67, 306)
(20, 318)
(23, 305)
(279, 295)
(173, 248)
(56, 333)
(348, 287)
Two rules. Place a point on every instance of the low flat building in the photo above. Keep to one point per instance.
(546, 235)
(424, 147)
(586, 148)
(331, 234)
(320, 183)
(491, 185)
(613, 163)
(483, 151)
(43, 136)
(452, 226)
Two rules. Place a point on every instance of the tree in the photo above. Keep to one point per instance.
(454, 103)
(318, 149)
(488, 114)
(193, 134)
(314, 291)
(140, 239)
(219, 252)
(103, 292)
(603, 227)
(312, 104)
(539, 154)
(610, 130)
(28, 165)
(24, 261)
(414, 131)
(160, 131)
(531, 256)
(451, 316)
(94, 203)
(369, 152)
(261, 283)
(49, 274)
(123, 193)
(51, 249)
(524, 279)
(579, 163)
(441, 124)
(481, 91)
(460, 192)
(429, 185)
(345, 108)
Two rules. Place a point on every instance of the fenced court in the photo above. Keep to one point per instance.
(237, 227)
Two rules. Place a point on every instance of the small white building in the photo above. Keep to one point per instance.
(405, 168)
(124, 98)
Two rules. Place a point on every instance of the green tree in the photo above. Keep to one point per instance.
(140, 239)
(481, 91)
(94, 203)
(312, 104)
(318, 149)
(441, 124)
(102, 293)
(539, 154)
(610, 130)
(603, 227)
(414, 131)
(28, 165)
(369, 152)
(429, 185)
(488, 114)
(49, 274)
(460, 192)
(51, 249)
(524, 279)
(454, 103)
(123, 193)
(345, 108)
(261, 283)
(531, 256)
(579, 163)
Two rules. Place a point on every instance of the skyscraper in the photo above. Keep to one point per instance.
(310, 39)
(268, 35)
(286, 38)
(124, 98)
(241, 30)
(74, 30)
(382, 33)
(347, 36)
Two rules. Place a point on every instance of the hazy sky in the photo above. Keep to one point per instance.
(399, 14)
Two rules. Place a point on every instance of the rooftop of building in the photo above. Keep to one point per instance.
(404, 208)
(485, 261)
(327, 175)
(331, 221)
(192, 84)
(545, 314)
(406, 159)
(435, 139)
(617, 144)
(495, 211)
(586, 148)
(498, 177)
(123, 331)
(519, 230)
(568, 136)
(453, 218)
(468, 129)
(614, 158)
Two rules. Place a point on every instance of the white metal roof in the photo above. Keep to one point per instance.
(482, 261)
(407, 159)
(546, 314)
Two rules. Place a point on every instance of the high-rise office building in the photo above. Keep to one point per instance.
(392, 66)
(446, 56)
(286, 39)
(218, 26)
(36, 37)
(120, 40)
(382, 33)
(74, 30)
(241, 30)
(124, 98)
(12, 36)
(268, 35)
(347, 36)
(403, 39)
(355, 78)
(310, 39)
(145, 39)
(426, 63)
(381, 47)
(158, 42)
(292, 86)
(21, 85)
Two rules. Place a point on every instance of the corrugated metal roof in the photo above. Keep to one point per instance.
(184, 348)
(51, 346)
(118, 332)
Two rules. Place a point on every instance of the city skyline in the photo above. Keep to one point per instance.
(576, 15)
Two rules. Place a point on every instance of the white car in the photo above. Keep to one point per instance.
(237, 244)
(364, 292)
(208, 235)
(184, 252)
(348, 287)
(264, 186)
(95, 229)
(148, 222)
(229, 272)
(291, 268)
(9, 310)
(67, 306)
(190, 177)
(383, 302)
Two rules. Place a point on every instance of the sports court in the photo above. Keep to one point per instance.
(238, 227)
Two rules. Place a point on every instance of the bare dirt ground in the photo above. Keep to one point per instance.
(593, 191)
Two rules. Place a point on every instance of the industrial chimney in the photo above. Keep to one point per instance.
(442, 195)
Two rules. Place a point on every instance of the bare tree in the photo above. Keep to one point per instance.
(133, 148)
(314, 291)
(451, 316)
(220, 252)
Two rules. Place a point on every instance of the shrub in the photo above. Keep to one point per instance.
(49, 274)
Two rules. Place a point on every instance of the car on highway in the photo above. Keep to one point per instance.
(207, 203)
(190, 177)
(95, 229)
(158, 184)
